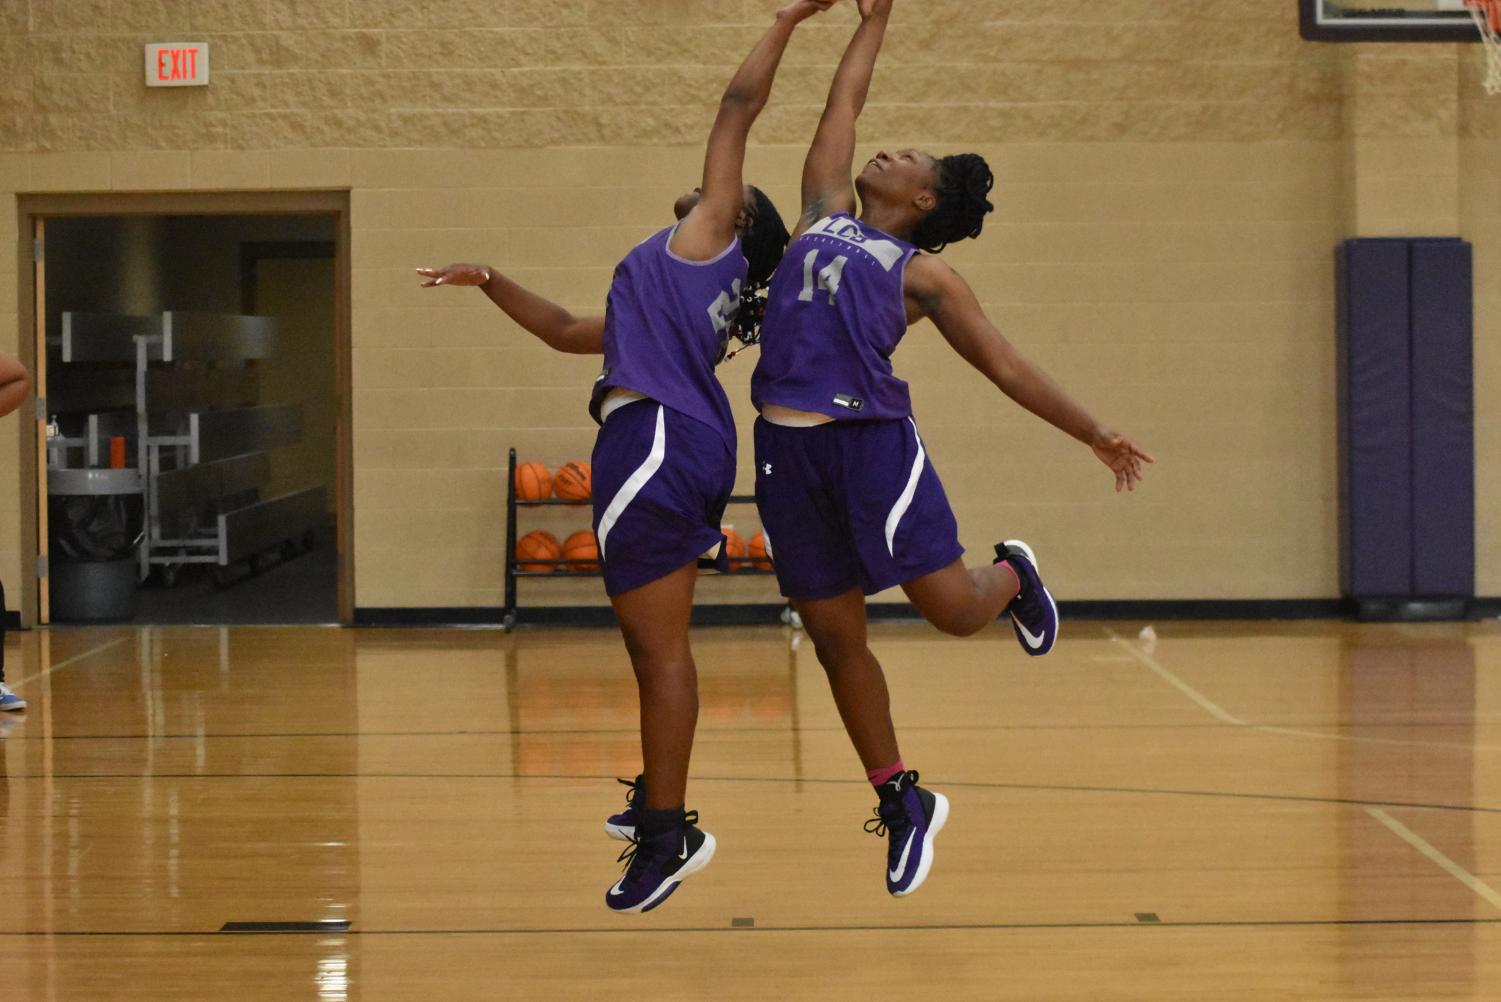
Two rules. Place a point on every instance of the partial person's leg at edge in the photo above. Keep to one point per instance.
(9, 701)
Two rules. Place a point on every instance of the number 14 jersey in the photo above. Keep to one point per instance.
(835, 313)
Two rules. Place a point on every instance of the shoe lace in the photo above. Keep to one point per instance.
(628, 854)
(630, 793)
(635, 860)
(898, 822)
(896, 825)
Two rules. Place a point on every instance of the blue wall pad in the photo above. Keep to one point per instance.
(1443, 418)
(1375, 433)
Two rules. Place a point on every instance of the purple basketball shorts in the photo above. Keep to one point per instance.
(661, 483)
(851, 503)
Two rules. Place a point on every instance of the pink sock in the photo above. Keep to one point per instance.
(1007, 564)
(879, 776)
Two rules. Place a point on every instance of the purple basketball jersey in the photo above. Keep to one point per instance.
(834, 315)
(667, 320)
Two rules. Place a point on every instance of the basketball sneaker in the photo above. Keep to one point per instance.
(9, 700)
(1034, 614)
(656, 865)
(622, 826)
(909, 817)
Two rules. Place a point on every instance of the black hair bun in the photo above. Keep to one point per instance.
(965, 181)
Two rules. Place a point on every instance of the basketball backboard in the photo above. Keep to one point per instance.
(1387, 21)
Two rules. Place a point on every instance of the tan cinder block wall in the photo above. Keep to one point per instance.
(1172, 180)
(1480, 212)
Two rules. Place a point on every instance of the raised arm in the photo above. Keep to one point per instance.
(938, 292)
(709, 228)
(15, 383)
(553, 325)
(826, 173)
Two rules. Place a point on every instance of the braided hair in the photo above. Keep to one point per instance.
(964, 181)
(764, 242)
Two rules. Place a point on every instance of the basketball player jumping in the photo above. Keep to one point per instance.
(664, 460)
(850, 502)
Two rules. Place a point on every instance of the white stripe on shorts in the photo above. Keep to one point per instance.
(905, 501)
(635, 481)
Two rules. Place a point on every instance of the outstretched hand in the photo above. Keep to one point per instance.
(456, 274)
(1123, 456)
(870, 8)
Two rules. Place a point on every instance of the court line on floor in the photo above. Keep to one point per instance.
(1205, 703)
(1225, 716)
(636, 930)
(1023, 787)
(1422, 845)
(635, 731)
(1364, 739)
(70, 661)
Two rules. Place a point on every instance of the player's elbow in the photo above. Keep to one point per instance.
(739, 101)
(582, 338)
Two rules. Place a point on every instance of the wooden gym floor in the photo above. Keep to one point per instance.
(1231, 811)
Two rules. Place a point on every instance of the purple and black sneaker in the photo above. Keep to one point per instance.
(657, 864)
(909, 817)
(622, 826)
(1034, 614)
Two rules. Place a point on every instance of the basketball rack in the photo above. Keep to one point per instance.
(565, 569)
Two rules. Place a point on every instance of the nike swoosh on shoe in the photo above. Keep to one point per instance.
(901, 864)
(1032, 639)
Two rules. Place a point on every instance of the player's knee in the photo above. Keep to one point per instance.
(673, 679)
(653, 658)
(835, 652)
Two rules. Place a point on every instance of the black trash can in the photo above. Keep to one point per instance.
(94, 517)
(92, 590)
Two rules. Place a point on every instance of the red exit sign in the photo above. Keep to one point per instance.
(177, 64)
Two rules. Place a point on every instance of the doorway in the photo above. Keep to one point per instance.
(192, 455)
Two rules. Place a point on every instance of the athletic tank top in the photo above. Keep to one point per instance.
(835, 312)
(667, 320)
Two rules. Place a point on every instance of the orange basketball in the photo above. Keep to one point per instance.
(538, 545)
(582, 546)
(734, 547)
(760, 551)
(533, 482)
(573, 482)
